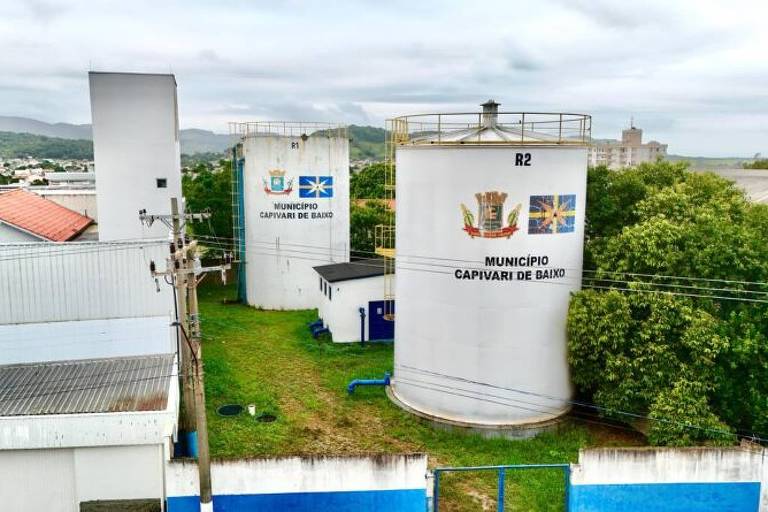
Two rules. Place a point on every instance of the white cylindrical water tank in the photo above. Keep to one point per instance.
(296, 209)
(489, 239)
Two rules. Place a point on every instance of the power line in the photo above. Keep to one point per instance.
(547, 282)
(575, 402)
(432, 257)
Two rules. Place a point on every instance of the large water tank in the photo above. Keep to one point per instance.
(295, 214)
(489, 238)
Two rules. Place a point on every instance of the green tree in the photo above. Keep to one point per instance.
(368, 183)
(363, 222)
(210, 190)
(667, 347)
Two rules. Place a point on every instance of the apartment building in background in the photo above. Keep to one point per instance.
(629, 151)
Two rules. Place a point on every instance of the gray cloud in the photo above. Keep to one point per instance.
(689, 72)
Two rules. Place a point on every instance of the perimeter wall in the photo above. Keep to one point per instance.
(669, 480)
(381, 483)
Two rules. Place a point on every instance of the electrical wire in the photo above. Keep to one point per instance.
(290, 253)
(478, 262)
(545, 282)
(589, 284)
(408, 258)
(588, 405)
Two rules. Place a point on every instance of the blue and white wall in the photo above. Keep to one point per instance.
(383, 483)
(669, 480)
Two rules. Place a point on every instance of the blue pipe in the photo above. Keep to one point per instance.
(318, 331)
(362, 325)
(368, 382)
(191, 442)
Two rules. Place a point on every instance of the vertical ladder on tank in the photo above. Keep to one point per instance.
(396, 133)
(238, 220)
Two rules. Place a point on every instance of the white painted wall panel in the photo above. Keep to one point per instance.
(341, 313)
(86, 339)
(10, 234)
(614, 466)
(57, 480)
(81, 201)
(119, 472)
(135, 142)
(301, 474)
(45, 282)
(37, 480)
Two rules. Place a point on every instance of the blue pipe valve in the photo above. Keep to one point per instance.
(368, 382)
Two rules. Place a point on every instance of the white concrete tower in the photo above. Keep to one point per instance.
(136, 150)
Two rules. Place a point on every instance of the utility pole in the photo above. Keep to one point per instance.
(184, 267)
(204, 457)
(177, 261)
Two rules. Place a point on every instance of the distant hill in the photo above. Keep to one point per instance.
(18, 145)
(367, 141)
(193, 140)
(60, 130)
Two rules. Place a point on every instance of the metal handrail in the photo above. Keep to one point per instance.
(501, 470)
(550, 128)
(287, 128)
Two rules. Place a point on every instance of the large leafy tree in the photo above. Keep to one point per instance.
(368, 183)
(208, 188)
(673, 348)
(363, 221)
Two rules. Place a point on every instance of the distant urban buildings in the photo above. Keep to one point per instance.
(629, 151)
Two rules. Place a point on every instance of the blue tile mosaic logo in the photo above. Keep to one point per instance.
(553, 214)
(316, 187)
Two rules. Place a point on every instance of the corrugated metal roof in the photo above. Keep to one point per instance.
(123, 384)
(40, 216)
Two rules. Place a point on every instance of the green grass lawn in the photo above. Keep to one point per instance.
(268, 358)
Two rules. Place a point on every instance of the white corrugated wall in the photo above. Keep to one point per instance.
(47, 282)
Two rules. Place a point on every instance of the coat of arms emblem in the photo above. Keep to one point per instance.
(490, 217)
(277, 183)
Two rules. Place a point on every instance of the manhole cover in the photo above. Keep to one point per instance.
(265, 417)
(230, 410)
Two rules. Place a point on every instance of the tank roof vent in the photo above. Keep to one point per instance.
(490, 113)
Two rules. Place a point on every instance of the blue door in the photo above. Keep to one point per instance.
(378, 327)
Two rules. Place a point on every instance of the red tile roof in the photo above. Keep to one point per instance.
(42, 217)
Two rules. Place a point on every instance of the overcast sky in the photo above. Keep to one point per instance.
(694, 74)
